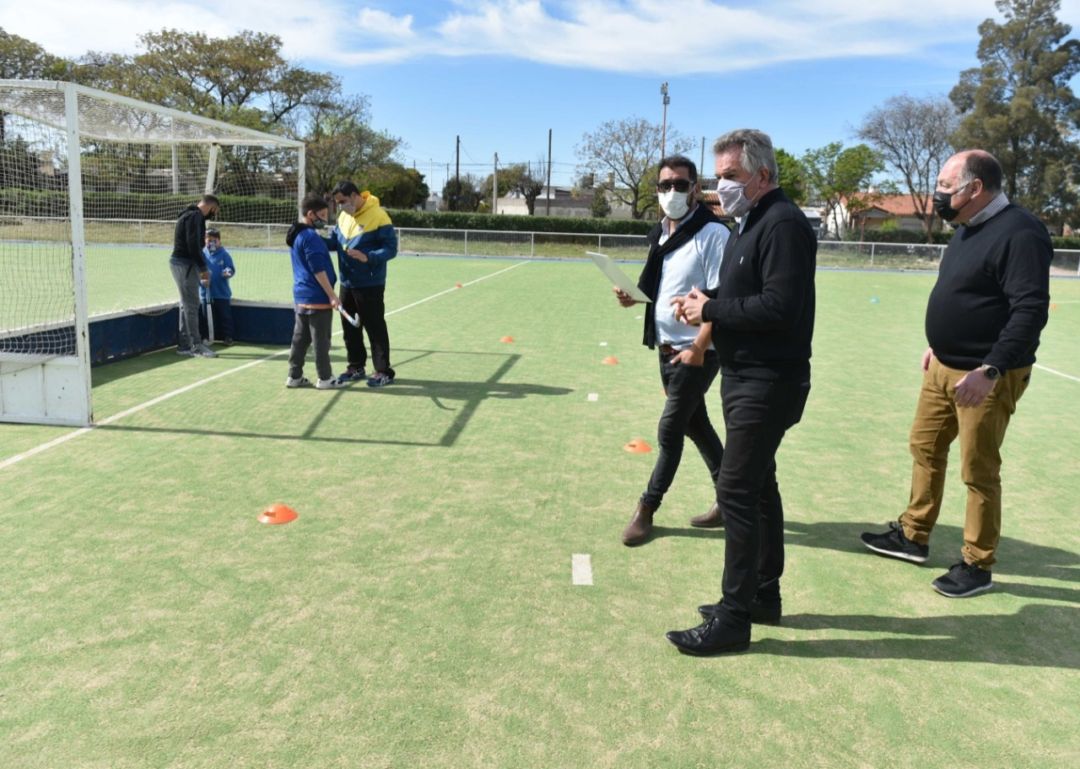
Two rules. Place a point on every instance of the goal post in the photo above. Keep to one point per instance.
(91, 184)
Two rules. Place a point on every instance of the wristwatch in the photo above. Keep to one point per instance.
(990, 372)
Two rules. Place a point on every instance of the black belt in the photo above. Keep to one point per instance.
(667, 349)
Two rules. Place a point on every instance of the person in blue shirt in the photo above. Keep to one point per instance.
(313, 295)
(217, 296)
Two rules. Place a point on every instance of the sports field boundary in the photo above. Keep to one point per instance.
(62, 439)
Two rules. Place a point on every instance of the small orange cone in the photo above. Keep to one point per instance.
(1053, 305)
(457, 285)
(637, 446)
(610, 360)
(507, 339)
(277, 513)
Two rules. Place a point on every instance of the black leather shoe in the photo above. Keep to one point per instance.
(711, 637)
(761, 612)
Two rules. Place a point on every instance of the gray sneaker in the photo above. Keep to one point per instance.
(187, 352)
(300, 381)
(330, 384)
(203, 350)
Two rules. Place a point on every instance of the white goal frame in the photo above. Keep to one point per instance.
(56, 389)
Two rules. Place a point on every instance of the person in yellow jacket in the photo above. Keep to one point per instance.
(366, 241)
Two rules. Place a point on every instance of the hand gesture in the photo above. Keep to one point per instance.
(688, 308)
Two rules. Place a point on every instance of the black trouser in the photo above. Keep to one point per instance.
(757, 413)
(223, 323)
(685, 415)
(368, 303)
(313, 326)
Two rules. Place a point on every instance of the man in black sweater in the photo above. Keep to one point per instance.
(762, 315)
(983, 320)
(188, 268)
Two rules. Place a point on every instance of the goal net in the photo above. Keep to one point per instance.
(91, 184)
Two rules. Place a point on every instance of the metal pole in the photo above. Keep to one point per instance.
(495, 186)
(78, 250)
(549, 175)
(663, 128)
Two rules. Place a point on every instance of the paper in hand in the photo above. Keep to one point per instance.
(619, 278)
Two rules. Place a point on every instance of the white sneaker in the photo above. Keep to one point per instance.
(302, 381)
(329, 384)
(203, 350)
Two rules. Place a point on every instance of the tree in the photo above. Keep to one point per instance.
(600, 207)
(520, 179)
(395, 185)
(913, 137)
(341, 144)
(791, 176)
(463, 195)
(840, 178)
(627, 150)
(22, 59)
(1019, 106)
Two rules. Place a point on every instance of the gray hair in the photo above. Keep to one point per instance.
(757, 150)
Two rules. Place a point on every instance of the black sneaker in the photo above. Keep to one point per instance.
(963, 580)
(894, 544)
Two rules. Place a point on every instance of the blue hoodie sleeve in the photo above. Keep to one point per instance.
(385, 242)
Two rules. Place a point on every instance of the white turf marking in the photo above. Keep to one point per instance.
(603, 344)
(581, 568)
(593, 397)
(187, 388)
(1059, 373)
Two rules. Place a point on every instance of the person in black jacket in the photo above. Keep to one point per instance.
(983, 321)
(762, 315)
(685, 249)
(189, 268)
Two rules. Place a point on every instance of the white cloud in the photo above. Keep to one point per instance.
(636, 36)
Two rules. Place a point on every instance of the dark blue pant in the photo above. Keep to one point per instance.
(369, 304)
(223, 321)
(685, 415)
(757, 413)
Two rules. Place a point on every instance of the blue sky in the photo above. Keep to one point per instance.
(500, 73)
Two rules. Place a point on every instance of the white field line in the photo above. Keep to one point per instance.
(1055, 371)
(187, 388)
(581, 568)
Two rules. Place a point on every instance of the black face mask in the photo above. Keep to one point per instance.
(943, 204)
(319, 224)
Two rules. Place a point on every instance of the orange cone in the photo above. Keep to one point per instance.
(457, 285)
(507, 339)
(637, 446)
(1053, 305)
(277, 513)
(610, 360)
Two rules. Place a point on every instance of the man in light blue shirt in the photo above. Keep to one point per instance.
(686, 247)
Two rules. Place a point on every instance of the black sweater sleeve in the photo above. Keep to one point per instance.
(1024, 275)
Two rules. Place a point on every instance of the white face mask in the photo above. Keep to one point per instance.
(675, 204)
(733, 198)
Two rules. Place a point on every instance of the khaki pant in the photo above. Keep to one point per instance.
(938, 421)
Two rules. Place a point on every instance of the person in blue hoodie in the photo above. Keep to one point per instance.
(217, 296)
(367, 241)
(313, 295)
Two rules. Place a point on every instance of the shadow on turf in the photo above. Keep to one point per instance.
(1000, 639)
(1015, 556)
(472, 394)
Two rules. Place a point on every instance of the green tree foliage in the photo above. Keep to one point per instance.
(464, 194)
(791, 175)
(22, 59)
(1019, 106)
(395, 185)
(600, 207)
(840, 178)
(628, 150)
(913, 136)
(341, 144)
(522, 179)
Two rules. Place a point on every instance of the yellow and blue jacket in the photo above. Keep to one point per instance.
(370, 230)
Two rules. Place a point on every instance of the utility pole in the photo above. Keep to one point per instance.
(457, 174)
(549, 175)
(495, 186)
(701, 168)
(663, 129)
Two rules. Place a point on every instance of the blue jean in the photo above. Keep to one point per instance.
(685, 415)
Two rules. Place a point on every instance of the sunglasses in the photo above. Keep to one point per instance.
(679, 185)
